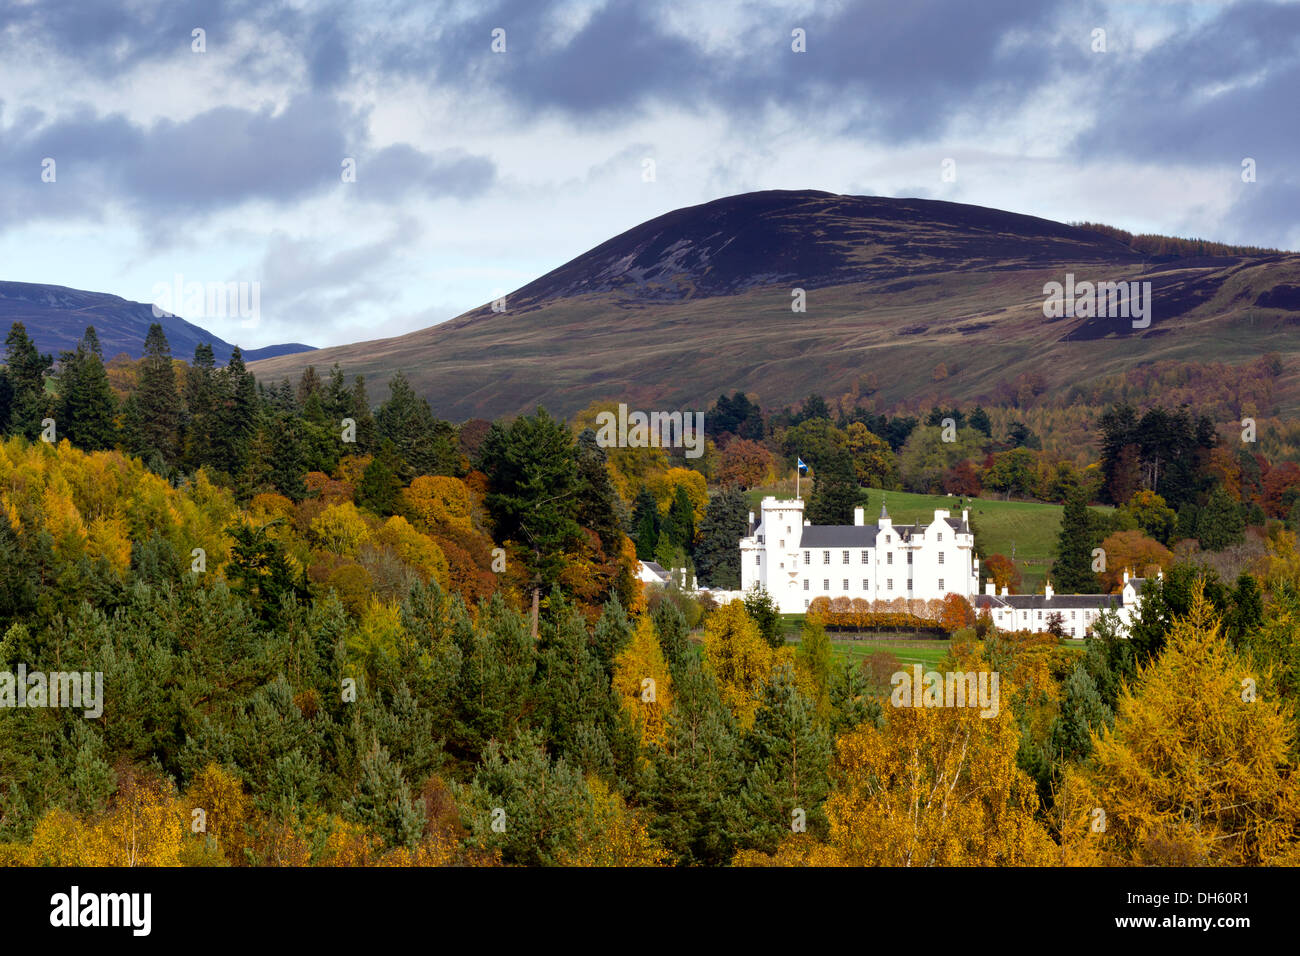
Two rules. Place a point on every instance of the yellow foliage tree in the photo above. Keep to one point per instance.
(617, 835)
(225, 807)
(416, 549)
(340, 529)
(440, 502)
(738, 658)
(648, 704)
(664, 488)
(937, 786)
(1197, 769)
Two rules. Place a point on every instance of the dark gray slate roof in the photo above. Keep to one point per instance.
(838, 536)
(653, 566)
(1061, 602)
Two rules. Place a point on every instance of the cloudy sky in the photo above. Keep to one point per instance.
(478, 170)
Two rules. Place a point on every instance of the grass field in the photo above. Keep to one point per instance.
(1023, 530)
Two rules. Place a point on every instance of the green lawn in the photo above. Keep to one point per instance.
(927, 652)
(1026, 530)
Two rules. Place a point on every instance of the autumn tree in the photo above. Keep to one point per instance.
(737, 657)
(643, 683)
(1197, 768)
(1134, 552)
(1003, 572)
(744, 464)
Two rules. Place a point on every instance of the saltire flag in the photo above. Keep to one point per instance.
(803, 469)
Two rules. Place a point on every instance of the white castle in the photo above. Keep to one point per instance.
(796, 561)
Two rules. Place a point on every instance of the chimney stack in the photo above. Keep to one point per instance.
(1047, 591)
(1004, 591)
(859, 518)
(990, 588)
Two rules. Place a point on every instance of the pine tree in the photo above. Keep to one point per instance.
(787, 757)
(159, 404)
(1220, 522)
(532, 492)
(835, 493)
(679, 523)
(425, 446)
(308, 385)
(645, 525)
(384, 804)
(763, 611)
(599, 505)
(235, 421)
(201, 407)
(287, 466)
(717, 556)
(670, 626)
(1072, 571)
(87, 405)
(25, 373)
(693, 777)
(359, 412)
(1082, 712)
(379, 486)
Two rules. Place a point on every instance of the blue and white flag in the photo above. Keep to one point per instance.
(803, 469)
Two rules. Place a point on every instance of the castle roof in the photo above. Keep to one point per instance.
(839, 536)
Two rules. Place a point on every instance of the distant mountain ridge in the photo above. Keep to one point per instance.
(56, 317)
(906, 299)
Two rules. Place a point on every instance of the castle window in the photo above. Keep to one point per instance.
(826, 585)
(865, 586)
(909, 557)
(846, 558)
(889, 584)
(758, 559)
(783, 544)
(864, 556)
(846, 584)
(909, 584)
(889, 558)
(941, 584)
(805, 584)
(826, 557)
(939, 537)
(807, 557)
(941, 557)
(805, 604)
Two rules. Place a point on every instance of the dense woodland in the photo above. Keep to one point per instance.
(336, 630)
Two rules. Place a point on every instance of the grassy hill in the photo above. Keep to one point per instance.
(1026, 528)
(936, 301)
